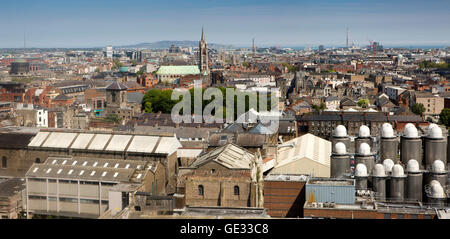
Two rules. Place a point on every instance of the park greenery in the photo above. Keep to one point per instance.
(113, 118)
(444, 117)
(319, 108)
(363, 103)
(430, 64)
(290, 67)
(156, 100)
(418, 109)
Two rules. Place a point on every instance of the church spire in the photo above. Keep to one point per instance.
(203, 34)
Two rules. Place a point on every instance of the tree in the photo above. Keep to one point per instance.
(363, 103)
(318, 108)
(444, 117)
(112, 118)
(418, 109)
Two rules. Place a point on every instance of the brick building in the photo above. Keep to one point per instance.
(224, 177)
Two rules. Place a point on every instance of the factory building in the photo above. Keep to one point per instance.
(414, 182)
(81, 187)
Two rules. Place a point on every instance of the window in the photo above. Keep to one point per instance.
(4, 162)
(113, 95)
(213, 171)
(37, 160)
(200, 190)
(387, 216)
(236, 190)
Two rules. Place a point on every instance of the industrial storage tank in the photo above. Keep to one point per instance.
(361, 177)
(365, 156)
(363, 137)
(388, 164)
(397, 184)
(438, 173)
(410, 145)
(340, 161)
(388, 143)
(340, 135)
(435, 147)
(379, 181)
(414, 188)
(436, 194)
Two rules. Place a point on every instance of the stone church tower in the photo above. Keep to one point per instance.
(203, 55)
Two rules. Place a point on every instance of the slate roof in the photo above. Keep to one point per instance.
(230, 156)
(116, 86)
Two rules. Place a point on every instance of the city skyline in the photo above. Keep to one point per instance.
(50, 23)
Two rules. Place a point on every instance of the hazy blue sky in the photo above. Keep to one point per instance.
(89, 23)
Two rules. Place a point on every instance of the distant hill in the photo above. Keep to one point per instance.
(167, 44)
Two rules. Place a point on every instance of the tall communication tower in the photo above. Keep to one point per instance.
(347, 38)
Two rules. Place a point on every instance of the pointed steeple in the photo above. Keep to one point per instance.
(203, 34)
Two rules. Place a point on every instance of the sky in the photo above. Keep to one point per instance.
(287, 23)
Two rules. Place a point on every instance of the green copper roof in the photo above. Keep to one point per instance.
(178, 70)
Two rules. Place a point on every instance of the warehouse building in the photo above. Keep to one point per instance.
(80, 187)
(307, 155)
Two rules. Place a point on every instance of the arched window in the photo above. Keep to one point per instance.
(236, 190)
(4, 162)
(200, 190)
(38, 160)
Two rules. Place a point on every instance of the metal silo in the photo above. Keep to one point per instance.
(361, 177)
(388, 143)
(379, 181)
(410, 145)
(397, 185)
(340, 135)
(435, 147)
(365, 156)
(340, 161)
(438, 173)
(414, 181)
(388, 164)
(363, 137)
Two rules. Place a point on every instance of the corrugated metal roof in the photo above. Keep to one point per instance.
(118, 142)
(306, 146)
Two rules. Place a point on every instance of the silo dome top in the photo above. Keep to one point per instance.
(364, 131)
(438, 166)
(413, 166)
(364, 149)
(361, 170)
(437, 191)
(410, 131)
(387, 131)
(388, 164)
(340, 131)
(433, 182)
(379, 171)
(435, 132)
(397, 171)
(430, 126)
(340, 148)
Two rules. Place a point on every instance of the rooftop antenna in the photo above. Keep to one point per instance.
(347, 37)
(24, 40)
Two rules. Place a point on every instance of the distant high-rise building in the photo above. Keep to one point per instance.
(203, 55)
(321, 48)
(253, 46)
(109, 52)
